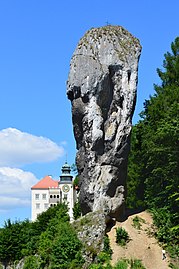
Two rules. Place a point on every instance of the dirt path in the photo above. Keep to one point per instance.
(141, 246)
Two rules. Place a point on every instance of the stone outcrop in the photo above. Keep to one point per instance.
(90, 230)
(102, 88)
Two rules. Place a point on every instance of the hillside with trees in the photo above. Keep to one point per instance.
(49, 242)
(153, 170)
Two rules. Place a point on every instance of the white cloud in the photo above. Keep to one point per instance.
(15, 188)
(19, 148)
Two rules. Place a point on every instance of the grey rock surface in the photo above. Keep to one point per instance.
(102, 88)
(90, 231)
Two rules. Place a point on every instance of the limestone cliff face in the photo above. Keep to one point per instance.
(102, 88)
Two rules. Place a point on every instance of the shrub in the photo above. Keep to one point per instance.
(122, 236)
(123, 264)
(137, 222)
(66, 248)
(32, 262)
(136, 264)
(103, 257)
(77, 210)
(107, 247)
(96, 266)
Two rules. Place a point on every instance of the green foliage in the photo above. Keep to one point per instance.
(136, 264)
(153, 171)
(96, 266)
(137, 222)
(59, 246)
(122, 236)
(126, 264)
(103, 261)
(13, 238)
(103, 257)
(171, 265)
(107, 249)
(50, 242)
(74, 168)
(164, 221)
(76, 181)
(76, 210)
(122, 264)
(66, 248)
(135, 180)
(32, 262)
(59, 211)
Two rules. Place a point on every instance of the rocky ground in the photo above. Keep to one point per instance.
(142, 244)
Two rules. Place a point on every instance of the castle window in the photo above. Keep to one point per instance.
(45, 206)
(37, 195)
(44, 196)
(65, 197)
(37, 206)
(51, 196)
(58, 196)
(54, 196)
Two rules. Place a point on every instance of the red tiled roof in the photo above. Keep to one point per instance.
(45, 183)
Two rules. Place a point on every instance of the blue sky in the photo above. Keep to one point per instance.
(38, 39)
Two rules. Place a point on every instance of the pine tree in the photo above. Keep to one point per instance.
(154, 159)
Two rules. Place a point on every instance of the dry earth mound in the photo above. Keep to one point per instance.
(142, 244)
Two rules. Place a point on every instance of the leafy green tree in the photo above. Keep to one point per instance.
(153, 173)
(13, 238)
(66, 248)
(32, 262)
(77, 210)
(21, 239)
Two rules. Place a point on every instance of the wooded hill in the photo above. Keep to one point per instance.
(153, 170)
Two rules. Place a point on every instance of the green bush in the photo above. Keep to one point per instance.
(123, 264)
(171, 265)
(122, 236)
(107, 247)
(137, 222)
(32, 262)
(103, 257)
(77, 210)
(96, 266)
(136, 264)
(66, 247)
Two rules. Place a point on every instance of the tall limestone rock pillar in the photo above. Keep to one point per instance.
(102, 88)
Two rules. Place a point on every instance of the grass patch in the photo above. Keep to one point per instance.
(129, 264)
(137, 222)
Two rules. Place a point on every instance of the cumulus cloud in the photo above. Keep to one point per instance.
(15, 188)
(19, 148)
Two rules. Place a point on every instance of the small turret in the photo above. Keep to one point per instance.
(66, 176)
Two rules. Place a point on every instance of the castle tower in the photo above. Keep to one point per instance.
(67, 188)
(48, 192)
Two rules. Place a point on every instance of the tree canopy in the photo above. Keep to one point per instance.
(153, 171)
